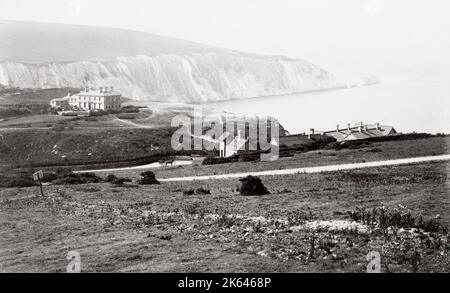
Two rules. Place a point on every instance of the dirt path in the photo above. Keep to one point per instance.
(319, 169)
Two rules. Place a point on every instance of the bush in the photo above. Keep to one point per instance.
(97, 113)
(111, 178)
(115, 180)
(148, 178)
(201, 190)
(130, 109)
(198, 191)
(89, 178)
(217, 160)
(69, 114)
(252, 185)
(126, 116)
(118, 181)
(248, 157)
(67, 177)
(188, 192)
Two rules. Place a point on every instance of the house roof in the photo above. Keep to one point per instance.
(368, 130)
(60, 99)
(97, 93)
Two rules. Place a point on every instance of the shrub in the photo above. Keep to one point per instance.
(201, 190)
(111, 178)
(126, 116)
(252, 185)
(148, 178)
(89, 178)
(96, 113)
(115, 180)
(188, 192)
(198, 191)
(130, 109)
(69, 114)
(216, 160)
(118, 181)
(248, 157)
(67, 177)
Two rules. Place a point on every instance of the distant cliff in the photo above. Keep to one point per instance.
(144, 66)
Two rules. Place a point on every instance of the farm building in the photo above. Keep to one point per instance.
(360, 131)
(91, 99)
(302, 139)
(60, 103)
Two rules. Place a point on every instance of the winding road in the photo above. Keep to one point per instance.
(318, 169)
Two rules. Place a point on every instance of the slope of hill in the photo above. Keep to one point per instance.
(145, 67)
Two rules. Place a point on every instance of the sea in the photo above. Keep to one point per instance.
(409, 108)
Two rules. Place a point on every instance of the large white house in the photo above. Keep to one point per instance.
(90, 99)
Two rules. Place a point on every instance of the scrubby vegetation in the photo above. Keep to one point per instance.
(148, 178)
(252, 185)
(399, 217)
(24, 102)
(23, 110)
(70, 178)
(111, 178)
(198, 191)
(59, 177)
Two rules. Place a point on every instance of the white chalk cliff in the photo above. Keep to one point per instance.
(144, 66)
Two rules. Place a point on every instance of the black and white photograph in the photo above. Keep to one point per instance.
(247, 137)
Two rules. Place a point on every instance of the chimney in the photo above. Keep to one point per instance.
(337, 128)
(106, 89)
(69, 94)
(112, 89)
(366, 128)
(311, 133)
(349, 127)
(378, 125)
(360, 127)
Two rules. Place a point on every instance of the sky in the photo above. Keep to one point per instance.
(395, 40)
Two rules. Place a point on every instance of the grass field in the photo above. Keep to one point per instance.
(384, 151)
(158, 229)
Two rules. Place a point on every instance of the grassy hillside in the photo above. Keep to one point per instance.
(40, 147)
(9, 96)
(62, 42)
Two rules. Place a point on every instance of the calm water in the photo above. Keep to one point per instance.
(420, 108)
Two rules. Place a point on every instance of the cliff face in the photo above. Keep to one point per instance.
(145, 66)
(197, 77)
